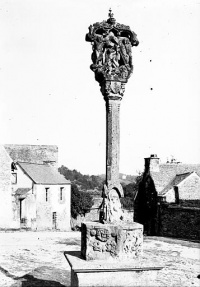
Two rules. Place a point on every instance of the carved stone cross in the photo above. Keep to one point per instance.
(112, 65)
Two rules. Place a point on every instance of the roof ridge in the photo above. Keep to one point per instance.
(30, 145)
(189, 172)
(43, 164)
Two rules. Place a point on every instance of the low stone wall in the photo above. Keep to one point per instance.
(129, 214)
(179, 222)
(93, 216)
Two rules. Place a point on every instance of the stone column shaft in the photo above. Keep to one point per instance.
(112, 140)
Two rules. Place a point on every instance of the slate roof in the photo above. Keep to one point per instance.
(22, 191)
(32, 153)
(172, 172)
(43, 174)
(178, 179)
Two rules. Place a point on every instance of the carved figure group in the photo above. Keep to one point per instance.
(108, 240)
(133, 242)
(112, 55)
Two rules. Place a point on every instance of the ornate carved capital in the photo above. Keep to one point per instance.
(112, 55)
(112, 90)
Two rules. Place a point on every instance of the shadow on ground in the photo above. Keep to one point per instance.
(31, 281)
(43, 276)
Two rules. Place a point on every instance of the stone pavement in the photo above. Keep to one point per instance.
(36, 259)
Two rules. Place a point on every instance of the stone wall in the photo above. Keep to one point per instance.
(53, 204)
(93, 216)
(6, 214)
(179, 222)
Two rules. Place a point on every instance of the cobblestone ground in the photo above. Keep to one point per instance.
(29, 259)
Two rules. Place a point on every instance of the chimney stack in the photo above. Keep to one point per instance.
(152, 163)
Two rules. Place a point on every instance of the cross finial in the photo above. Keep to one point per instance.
(111, 19)
(110, 14)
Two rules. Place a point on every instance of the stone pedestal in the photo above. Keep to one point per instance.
(111, 241)
(140, 271)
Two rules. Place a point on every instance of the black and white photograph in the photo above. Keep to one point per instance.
(99, 143)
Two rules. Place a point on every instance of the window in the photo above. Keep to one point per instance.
(47, 193)
(14, 178)
(61, 193)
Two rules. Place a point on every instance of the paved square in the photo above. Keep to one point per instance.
(37, 259)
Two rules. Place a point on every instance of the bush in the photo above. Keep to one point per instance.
(81, 202)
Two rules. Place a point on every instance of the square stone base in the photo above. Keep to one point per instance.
(111, 241)
(133, 272)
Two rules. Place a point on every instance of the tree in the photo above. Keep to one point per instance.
(81, 202)
(86, 182)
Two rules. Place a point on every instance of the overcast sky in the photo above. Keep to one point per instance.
(48, 94)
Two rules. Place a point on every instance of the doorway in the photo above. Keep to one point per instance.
(54, 220)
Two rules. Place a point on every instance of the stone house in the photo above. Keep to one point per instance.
(173, 180)
(170, 182)
(33, 194)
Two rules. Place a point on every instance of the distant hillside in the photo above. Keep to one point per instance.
(92, 182)
(84, 182)
(127, 179)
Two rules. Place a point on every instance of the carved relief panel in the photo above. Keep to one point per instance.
(111, 241)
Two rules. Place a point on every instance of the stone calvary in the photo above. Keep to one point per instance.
(112, 65)
(112, 248)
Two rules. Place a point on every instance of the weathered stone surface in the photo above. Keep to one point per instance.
(33, 153)
(179, 222)
(132, 272)
(112, 56)
(111, 241)
(112, 189)
(112, 64)
(114, 279)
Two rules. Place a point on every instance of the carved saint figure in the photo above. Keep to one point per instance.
(114, 211)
